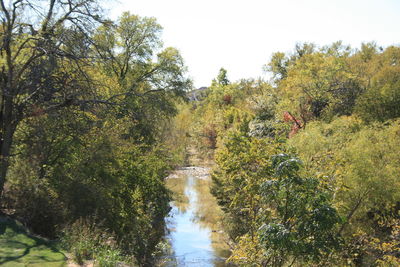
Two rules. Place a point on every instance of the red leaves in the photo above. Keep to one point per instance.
(287, 116)
(227, 99)
(296, 126)
(210, 134)
(36, 111)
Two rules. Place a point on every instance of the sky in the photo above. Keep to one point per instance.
(241, 35)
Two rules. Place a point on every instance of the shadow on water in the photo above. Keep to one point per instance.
(194, 223)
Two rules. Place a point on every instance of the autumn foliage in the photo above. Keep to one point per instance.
(296, 124)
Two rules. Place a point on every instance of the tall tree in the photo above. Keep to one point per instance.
(222, 77)
(42, 47)
(146, 77)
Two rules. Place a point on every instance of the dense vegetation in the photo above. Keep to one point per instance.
(92, 117)
(85, 116)
(307, 164)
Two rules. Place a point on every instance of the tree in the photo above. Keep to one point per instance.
(222, 77)
(144, 88)
(323, 84)
(381, 99)
(47, 65)
(278, 66)
(128, 47)
(42, 61)
(300, 221)
(243, 165)
(360, 164)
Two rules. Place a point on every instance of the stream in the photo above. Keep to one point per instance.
(194, 223)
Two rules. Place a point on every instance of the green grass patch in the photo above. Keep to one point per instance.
(19, 248)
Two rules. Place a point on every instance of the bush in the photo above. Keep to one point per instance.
(34, 201)
(87, 240)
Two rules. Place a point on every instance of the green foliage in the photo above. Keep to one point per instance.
(222, 77)
(300, 219)
(243, 165)
(381, 100)
(88, 135)
(360, 164)
(97, 174)
(346, 102)
(227, 108)
(144, 89)
(335, 80)
(218, 95)
(102, 156)
(320, 84)
(260, 195)
(278, 66)
(88, 241)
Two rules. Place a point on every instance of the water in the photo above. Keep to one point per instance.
(195, 221)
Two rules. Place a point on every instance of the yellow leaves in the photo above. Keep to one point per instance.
(170, 53)
(361, 162)
(107, 85)
(247, 252)
(381, 99)
(388, 261)
(388, 248)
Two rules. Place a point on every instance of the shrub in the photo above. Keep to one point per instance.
(87, 240)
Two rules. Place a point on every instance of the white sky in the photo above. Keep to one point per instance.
(241, 35)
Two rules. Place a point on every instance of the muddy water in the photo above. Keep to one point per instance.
(194, 223)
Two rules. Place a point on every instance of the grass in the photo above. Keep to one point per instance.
(19, 248)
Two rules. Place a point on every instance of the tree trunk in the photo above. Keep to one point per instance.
(5, 157)
(8, 126)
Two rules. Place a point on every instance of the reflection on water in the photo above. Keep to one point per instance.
(195, 234)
